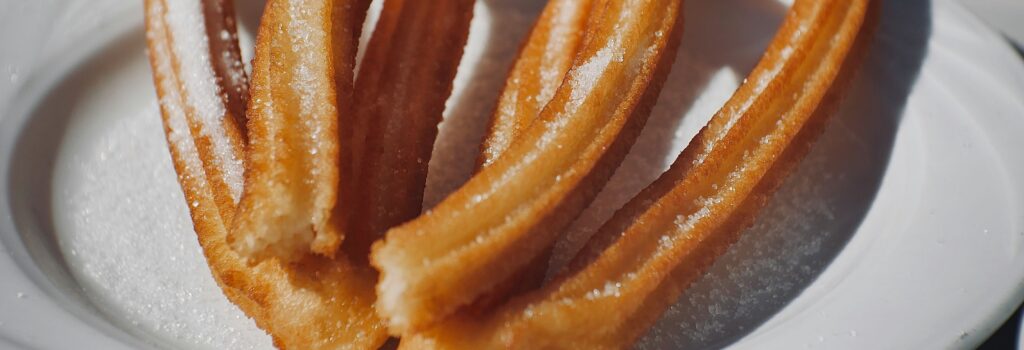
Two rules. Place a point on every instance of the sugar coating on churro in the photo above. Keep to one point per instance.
(307, 39)
(191, 46)
(537, 73)
(293, 155)
(561, 30)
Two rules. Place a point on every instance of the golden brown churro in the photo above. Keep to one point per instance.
(406, 76)
(205, 98)
(640, 260)
(313, 304)
(537, 72)
(512, 210)
(304, 59)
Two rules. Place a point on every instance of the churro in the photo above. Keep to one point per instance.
(664, 238)
(537, 72)
(405, 78)
(305, 53)
(512, 210)
(315, 303)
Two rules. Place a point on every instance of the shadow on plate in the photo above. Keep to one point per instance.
(810, 219)
(813, 215)
(820, 206)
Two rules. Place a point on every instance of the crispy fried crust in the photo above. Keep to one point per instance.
(510, 212)
(313, 304)
(537, 72)
(662, 240)
(405, 79)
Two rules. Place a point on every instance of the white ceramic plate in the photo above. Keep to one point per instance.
(1004, 15)
(904, 228)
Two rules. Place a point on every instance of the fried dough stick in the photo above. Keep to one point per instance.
(663, 239)
(302, 81)
(511, 211)
(315, 304)
(405, 78)
(212, 97)
(537, 72)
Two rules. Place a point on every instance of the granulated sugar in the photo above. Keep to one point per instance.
(186, 27)
(772, 262)
(130, 243)
(796, 236)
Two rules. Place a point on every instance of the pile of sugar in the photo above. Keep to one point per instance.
(308, 39)
(131, 244)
